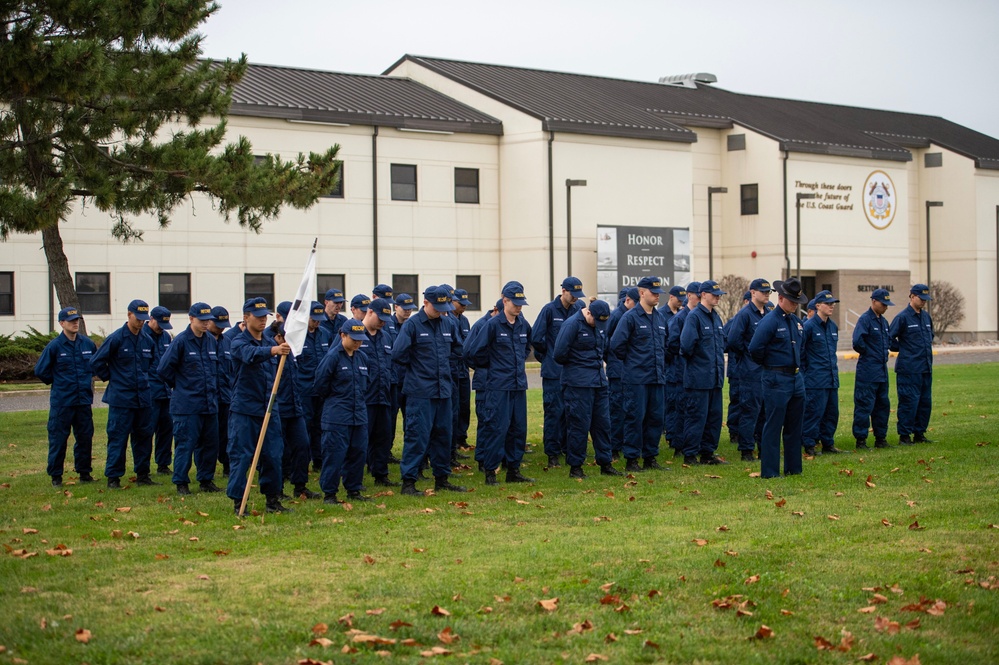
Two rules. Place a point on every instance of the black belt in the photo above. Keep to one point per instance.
(783, 370)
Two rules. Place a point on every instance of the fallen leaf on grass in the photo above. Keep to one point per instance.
(886, 625)
(731, 553)
(753, 579)
(719, 563)
(822, 644)
(611, 637)
(763, 632)
(347, 620)
(368, 559)
(711, 476)
(399, 623)
(637, 631)
(594, 657)
(27, 531)
(375, 612)
(60, 550)
(877, 599)
(580, 628)
(437, 610)
(781, 503)
(448, 636)
(162, 557)
(365, 638)
(700, 542)
(833, 517)
(323, 642)
(868, 658)
(320, 629)
(435, 651)
(607, 587)
(787, 613)
(123, 509)
(915, 526)
(610, 600)
(622, 608)
(869, 482)
(886, 523)
(770, 495)
(649, 644)
(721, 528)
(798, 513)
(868, 610)
(485, 609)
(83, 635)
(502, 599)
(602, 518)
(901, 660)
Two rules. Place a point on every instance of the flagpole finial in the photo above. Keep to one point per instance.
(315, 241)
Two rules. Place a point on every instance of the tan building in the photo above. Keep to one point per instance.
(470, 167)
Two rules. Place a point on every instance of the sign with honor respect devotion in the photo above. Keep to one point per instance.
(626, 254)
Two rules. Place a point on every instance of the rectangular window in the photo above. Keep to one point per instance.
(403, 182)
(932, 159)
(326, 282)
(472, 284)
(175, 291)
(336, 192)
(750, 199)
(94, 290)
(466, 185)
(407, 284)
(6, 294)
(736, 142)
(257, 285)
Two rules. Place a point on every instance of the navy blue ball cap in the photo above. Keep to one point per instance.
(921, 290)
(440, 298)
(633, 294)
(651, 283)
(678, 291)
(600, 311)
(354, 329)
(825, 297)
(69, 314)
(382, 291)
(694, 287)
(202, 311)
(499, 305)
(360, 301)
(882, 296)
(405, 301)
(574, 286)
(256, 307)
(316, 311)
(622, 294)
(140, 308)
(382, 307)
(161, 315)
(515, 292)
(283, 308)
(760, 284)
(336, 295)
(711, 286)
(461, 296)
(747, 296)
(220, 315)
(811, 305)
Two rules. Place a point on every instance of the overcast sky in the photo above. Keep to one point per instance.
(918, 56)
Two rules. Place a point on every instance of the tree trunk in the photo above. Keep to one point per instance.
(59, 273)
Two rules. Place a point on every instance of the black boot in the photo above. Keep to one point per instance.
(409, 488)
(862, 444)
(441, 483)
(904, 440)
(144, 479)
(355, 495)
(56, 481)
(576, 472)
(554, 462)
(831, 449)
(712, 459)
(163, 470)
(652, 464)
(331, 500)
(810, 450)
(677, 453)
(632, 466)
(383, 481)
(86, 478)
(881, 443)
(921, 438)
(274, 505)
(302, 490)
(747, 456)
(491, 478)
(209, 486)
(114, 483)
(392, 459)
(691, 460)
(609, 470)
(514, 476)
(183, 489)
(235, 507)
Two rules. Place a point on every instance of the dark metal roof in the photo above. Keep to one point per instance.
(387, 101)
(597, 105)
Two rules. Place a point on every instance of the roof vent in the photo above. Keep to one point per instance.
(688, 80)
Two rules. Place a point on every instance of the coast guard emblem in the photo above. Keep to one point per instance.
(879, 200)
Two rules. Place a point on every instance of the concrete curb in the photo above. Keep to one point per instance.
(853, 355)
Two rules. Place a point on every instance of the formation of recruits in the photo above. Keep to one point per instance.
(200, 397)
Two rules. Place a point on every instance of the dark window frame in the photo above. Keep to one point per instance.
(400, 284)
(399, 179)
(336, 192)
(465, 192)
(88, 298)
(461, 282)
(7, 297)
(171, 300)
(749, 198)
(327, 281)
(257, 293)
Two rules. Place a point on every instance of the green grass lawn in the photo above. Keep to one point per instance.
(892, 553)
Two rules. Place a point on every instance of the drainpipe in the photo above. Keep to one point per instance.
(787, 255)
(52, 312)
(374, 201)
(551, 217)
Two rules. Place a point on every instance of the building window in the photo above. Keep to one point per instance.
(472, 284)
(175, 291)
(403, 182)
(407, 284)
(466, 185)
(736, 142)
(256, 285)
(932, 159)
(6, 294)
(750, 199)
(326, 282)
(336, 192)
(94, 290)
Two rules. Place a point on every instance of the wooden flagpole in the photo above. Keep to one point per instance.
(263, 433)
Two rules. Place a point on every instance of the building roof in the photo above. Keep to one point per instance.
(331, 97)
(597, 105)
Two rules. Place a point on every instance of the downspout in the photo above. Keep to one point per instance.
(374, 201)
(787, 256)
(551, 216)
(52, 314)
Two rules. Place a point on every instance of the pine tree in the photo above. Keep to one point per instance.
(109, 101)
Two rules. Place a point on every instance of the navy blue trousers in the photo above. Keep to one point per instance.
(870, 410)
(462, 412)
(504, 429)
(297, 449)
(554, 432)
(243, 433)
(480, 402)
(379, 439)
(673, 415)
(915, 401)
(79, 419)
(616, 391)
(312, 411)
(703, 423)
(590, 414)
(162, 425)
(223, 420)
(124, 424)
(197, 438)
(344, 451)
(643, 419)
(750, 400)
(428, 432)
(784, 402)
(734, 411)
(821, 416)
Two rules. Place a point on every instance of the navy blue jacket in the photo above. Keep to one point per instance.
(818, 354)
(545, 332)
(911, 334)
(342, 382)
(870, 340)
(739, 334)
(123, 360)
(316, 346)
(615, 368)
(702, 344)
(640, 342)
(459, 369)
(676, 364)
(580, 349)
(225, 377)
(481, 374)
(254, 374)
(161, 341)
(503, 348)
(777, 340)
(288, 401)
(190, 365)
(424, 348)
(378, 354)
(65, 366)
(333, 327)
